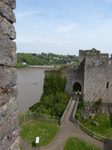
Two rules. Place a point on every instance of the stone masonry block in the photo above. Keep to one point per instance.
(7, 93)
(7, 52)
(7, 13)
(14, 122)
(3, 113)
(12, 3)
(8, 77)
(7, 28)
(15, 145)
(13, 106)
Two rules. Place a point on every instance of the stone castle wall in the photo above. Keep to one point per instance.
(72, 73)
(97, 76)
(8, 90)
(94, 74)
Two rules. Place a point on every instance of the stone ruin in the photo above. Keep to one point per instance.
(94, 75)
(9, 135)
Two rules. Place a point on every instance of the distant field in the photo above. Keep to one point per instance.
(76, 144)
(45, 131)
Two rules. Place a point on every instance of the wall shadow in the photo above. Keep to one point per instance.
(108, 144)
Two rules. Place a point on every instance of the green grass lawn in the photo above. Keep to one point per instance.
(76, 144)
(32, 129)
(105, 125)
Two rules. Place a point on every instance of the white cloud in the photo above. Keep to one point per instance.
(23, 14)
(65, 28)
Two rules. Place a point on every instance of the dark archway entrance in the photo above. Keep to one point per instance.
(77, 91)
(77, 87)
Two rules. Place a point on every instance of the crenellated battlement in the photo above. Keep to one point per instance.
(94, 56)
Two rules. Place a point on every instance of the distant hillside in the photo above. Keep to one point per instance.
(43, 59)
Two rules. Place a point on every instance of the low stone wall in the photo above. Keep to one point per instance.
(75, 108)
(61, 119)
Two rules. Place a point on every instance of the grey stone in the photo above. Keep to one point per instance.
(5, 97)
(13, 106)
(93, 74)
(95, 123)
(7, 52)
(8, 13)
(8, 29)
(12, 3)
(84, 117)
(1, 117)
(15, 145)
(103, 110)
(4, 111)
(8, 77)
(91, 115)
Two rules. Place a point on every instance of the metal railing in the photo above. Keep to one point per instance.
(91, 133)
(37, 116)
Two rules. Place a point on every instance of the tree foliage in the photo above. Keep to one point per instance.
(44, 59)
(54, 98)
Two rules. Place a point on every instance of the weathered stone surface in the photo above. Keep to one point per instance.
(13, 106)
(7, 13)
(95, 123)
(15, 145)
(9, 139)
(8, 91)
(5, 97)
(73, 74)
(7, 29)
(8, 77)
(12, 3)
(8, 123)
(14, 122)
(7, 52)
(3, 113)
(97, 79)
(1, 117)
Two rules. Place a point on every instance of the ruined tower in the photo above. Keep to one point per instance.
(93, 74)
(8, 90)
(97, 75)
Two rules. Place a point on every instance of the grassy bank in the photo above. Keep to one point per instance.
(76, 144)
(45, 131)
(104, 127)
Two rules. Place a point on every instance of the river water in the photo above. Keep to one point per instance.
(28, 92)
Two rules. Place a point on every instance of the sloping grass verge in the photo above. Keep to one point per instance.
(105, 125)
(77, 144)
(32, 129)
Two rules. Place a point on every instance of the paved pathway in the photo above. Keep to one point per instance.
(67, 130)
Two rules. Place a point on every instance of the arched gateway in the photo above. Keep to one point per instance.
(77, 88)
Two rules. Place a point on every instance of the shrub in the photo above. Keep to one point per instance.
(99, 102)
(54, 99)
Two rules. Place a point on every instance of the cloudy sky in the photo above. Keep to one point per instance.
(63, 26)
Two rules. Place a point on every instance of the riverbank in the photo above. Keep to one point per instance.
(28, 93)
(41, 67)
